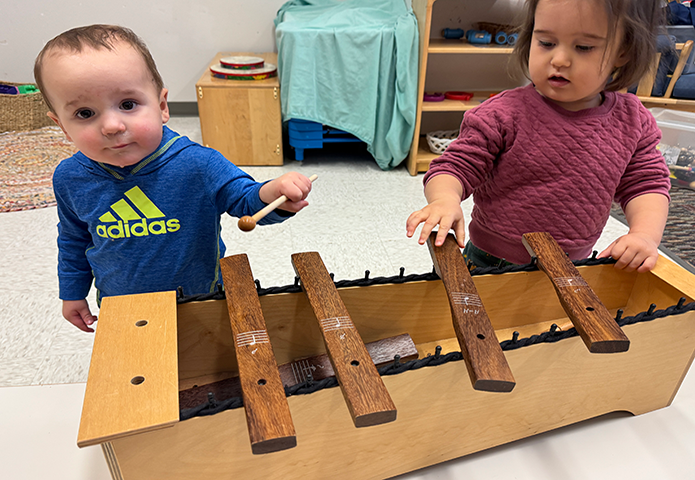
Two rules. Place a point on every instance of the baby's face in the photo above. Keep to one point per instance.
(570, 58)
(106, 103)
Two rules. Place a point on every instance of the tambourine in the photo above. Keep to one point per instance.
(268, 71)
(242, 62)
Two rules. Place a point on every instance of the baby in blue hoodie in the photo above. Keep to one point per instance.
(139, 205)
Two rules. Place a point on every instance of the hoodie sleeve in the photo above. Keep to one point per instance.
(234, 191)
(74, 272)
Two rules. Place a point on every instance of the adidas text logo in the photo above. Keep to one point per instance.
(126, 222)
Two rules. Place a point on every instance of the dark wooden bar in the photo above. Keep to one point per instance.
(594, 323)
(267, 412)
(366, 396)
(486, 363)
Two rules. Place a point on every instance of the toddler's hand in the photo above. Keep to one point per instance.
(445, 212)
(78, 313)
(293, 185)
(632, 252)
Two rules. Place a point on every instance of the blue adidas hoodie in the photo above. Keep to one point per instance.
(153, 226)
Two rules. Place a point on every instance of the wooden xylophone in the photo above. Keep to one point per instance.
(150, 351)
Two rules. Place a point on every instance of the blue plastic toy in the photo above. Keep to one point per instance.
(500, 38)
(452, 33)
(478, 36)
(511, 38)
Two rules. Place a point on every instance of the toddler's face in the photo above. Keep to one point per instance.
(106, 103)
(570, 60)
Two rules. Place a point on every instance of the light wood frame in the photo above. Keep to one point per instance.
(557, 383)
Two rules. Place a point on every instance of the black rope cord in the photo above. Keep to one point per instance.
(219, 294)
(212, 407)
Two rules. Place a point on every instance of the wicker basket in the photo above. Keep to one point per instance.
(440, 139)
(23, 112)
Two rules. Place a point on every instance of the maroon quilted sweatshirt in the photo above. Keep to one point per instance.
(533, 166)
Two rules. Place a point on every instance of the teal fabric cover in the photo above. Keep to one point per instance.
(352, 65)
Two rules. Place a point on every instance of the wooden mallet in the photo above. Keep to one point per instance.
(248, 223)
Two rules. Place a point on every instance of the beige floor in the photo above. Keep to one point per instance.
(356, 222)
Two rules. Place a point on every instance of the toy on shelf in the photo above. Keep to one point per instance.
(478, 36)
(243, 68)
(433, 97)
(500, 38)
(452, 33)
(501, 34)
(461, 96)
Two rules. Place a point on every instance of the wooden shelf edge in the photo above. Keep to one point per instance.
(666, 101)
(439, 45)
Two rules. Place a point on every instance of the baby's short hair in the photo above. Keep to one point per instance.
(640, 21)
(96, 37)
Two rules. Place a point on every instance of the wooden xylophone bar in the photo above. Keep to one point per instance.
(267, 412)
(365, 394)
(486, 363)
(590, 317)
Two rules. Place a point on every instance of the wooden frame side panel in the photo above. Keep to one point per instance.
(133, 376)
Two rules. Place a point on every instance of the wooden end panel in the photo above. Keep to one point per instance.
(267, 411)
(590, 317)
(133, 376)
(365, 394)
(485, 360)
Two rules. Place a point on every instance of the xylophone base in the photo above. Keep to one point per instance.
(440, 415)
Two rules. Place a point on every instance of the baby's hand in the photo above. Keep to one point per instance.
(77, 312)
(633, 251)
(293, 185)
(445, 212)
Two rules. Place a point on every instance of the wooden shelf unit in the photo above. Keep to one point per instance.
(420, 155)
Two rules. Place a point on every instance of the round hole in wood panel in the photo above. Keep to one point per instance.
(262, 381)
(141, 323)
(590, 309)
(481, 336)
(355, 363)
(137, 380)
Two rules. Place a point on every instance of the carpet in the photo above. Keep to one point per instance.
(678, 241)
(27, 161)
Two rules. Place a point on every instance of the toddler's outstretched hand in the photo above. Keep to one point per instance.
(443, 193)
(446, 214)
(293, 185)
(633, 251)
(78, 313)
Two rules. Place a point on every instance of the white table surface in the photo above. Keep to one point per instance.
(39, 424)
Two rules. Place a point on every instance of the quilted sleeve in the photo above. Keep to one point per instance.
(470, 158)
(647, 171)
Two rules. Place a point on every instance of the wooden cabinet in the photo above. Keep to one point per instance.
(456, 65)
(241, 118)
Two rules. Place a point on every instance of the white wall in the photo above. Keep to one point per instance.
(183, 35)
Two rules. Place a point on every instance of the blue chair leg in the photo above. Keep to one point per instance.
(298, 154)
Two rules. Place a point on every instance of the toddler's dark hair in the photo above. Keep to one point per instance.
(640, 21)
(94, 36)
